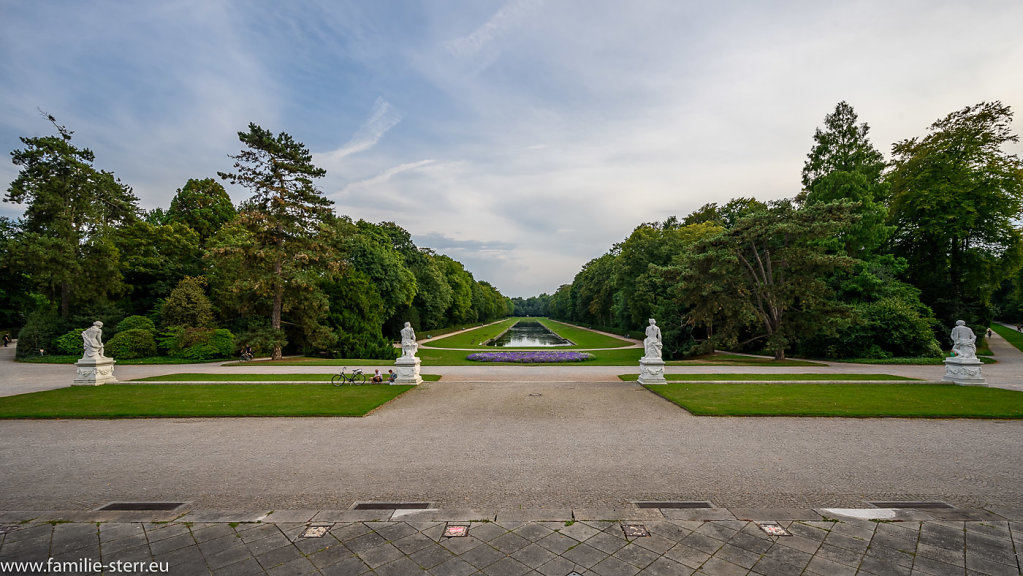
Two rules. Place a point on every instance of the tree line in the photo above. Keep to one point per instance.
(281, 272)
(870, 259)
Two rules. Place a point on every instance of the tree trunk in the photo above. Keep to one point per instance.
(275, 313)
(65, 300)
(779, 353)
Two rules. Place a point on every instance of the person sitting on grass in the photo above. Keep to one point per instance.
(391, 376)
(377, 378)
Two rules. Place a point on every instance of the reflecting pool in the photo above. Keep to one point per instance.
(528, 334)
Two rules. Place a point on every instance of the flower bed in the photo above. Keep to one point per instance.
(529, 357)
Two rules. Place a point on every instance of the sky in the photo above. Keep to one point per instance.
(521, 137)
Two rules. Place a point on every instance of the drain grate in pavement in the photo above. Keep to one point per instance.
(635, 531)
(677, 505)
(142, 506)
(391, 506)
(315, 531)
(773, 529)
(911, 504)
(456, 530)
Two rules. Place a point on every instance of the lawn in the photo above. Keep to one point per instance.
(473, 338)
(844, 400)
(614, 357)
(580, 337)
(199, 401)
(1013, 337)
(199, 377)
(770, 377)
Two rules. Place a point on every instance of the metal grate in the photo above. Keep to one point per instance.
(677, 505)
(142, 506)
(391, 506)
(912, 504)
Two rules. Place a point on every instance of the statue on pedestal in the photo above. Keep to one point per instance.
(408, 341)
(652, 343)
(651, 367)
(964, 368)
(408, 363)
(94, 368)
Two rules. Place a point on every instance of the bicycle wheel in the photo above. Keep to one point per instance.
(359, 379)
(338, 379)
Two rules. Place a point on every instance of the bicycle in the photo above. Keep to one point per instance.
(355, 377)
(246, 357)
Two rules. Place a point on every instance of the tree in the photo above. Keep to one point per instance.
(844, 165)
(842, 146)
(957, 196)
(64, 239)
(154, 259)
(282, 218)
(202, 205)
(766, 275)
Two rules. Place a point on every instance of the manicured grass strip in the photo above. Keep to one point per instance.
(159, 360)
(199, 377)
(844, 400)
(725, 359)
(581, 338)
(473, 338)
(199, 401)
(770, 377)
(1013, 337)
(621, 357)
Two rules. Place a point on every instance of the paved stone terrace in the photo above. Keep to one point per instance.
(517, 547)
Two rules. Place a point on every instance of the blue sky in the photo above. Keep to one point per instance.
(521, 137)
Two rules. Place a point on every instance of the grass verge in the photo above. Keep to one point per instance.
(772, 377)
(580, 337)
(845, 400)
(199, 401)
(1011, 336)
(199, 377)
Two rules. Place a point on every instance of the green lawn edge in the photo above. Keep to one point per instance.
(202, 377)
(117, 401)
(1011, 336)
(581, 338)
(875, 400)
(774, 377)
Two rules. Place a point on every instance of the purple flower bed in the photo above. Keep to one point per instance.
(529, 357)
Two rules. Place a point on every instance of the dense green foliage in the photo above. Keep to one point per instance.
(281, 272)
(869, 260)
(132, 343)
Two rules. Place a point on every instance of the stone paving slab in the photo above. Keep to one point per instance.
(515, 546)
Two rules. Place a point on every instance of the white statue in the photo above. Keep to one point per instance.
(92, 338)
(408, 341)
(652, 343)
(964, 341)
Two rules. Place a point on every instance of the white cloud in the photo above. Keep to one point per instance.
(381, 120)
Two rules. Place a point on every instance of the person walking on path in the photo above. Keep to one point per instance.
(7, 340)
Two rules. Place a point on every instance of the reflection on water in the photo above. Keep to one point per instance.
(528, 334)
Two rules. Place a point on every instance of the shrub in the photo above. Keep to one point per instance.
(198, 343)
(136, 323)
(187, 304)
(70, 344)
(131, 343)
(40, 331)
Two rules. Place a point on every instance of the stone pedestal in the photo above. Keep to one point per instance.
(964, 371)
(94, 371)
(651, 371)
(408, 370)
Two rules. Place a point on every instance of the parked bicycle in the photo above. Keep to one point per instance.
(354, 377)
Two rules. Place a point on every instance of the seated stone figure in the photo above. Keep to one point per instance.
(964, 341)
